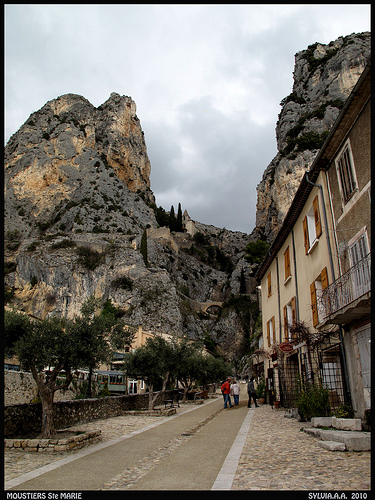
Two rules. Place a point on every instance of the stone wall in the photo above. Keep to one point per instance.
(26, 419)
(20, 388)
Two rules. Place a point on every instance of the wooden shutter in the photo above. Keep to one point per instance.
(273, 329)
(318, 224)
(268, 333)
(294, 312)
(286, 329)
(269, 284)
(287, 263)
(324, 278)
(306, 235)
(314, 305)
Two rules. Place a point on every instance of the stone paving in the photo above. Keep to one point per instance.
(18, 462)
(277, 455)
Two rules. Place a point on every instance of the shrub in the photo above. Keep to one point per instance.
(256, 251)
(313, 401)
(89, 258)
(344, 411)
(123, 282)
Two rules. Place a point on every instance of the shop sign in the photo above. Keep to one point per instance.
(286, 347)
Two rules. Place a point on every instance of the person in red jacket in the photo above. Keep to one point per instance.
(225, 389)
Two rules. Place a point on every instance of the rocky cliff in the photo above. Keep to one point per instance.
(77, 202)
(324, 76)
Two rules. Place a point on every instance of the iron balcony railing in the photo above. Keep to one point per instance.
(347, 288)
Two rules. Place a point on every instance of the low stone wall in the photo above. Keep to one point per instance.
(58, 444)
(26, 419)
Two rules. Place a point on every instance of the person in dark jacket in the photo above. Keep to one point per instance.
(251, 393)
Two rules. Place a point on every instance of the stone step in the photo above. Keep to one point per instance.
(353, 440)
(332, 445)
(343, 424)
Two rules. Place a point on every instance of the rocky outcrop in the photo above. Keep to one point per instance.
(59, 157)
(77, 202)
(324, 76)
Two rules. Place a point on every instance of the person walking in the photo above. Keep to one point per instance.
(225, 389)
(235, 391)
(251, 393)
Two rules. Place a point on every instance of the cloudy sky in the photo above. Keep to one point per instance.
(207, 81)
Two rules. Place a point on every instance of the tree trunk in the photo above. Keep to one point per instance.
(186, 390)
(151, 397)
(151, 402)
(47, 390)
(48, 426)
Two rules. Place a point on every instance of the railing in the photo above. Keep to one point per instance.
(346, 289)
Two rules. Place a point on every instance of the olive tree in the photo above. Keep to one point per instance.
(153, 362)
(53, 347)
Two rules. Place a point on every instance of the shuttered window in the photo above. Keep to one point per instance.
(314, 306)
(269, 285)
(287, 264)
(318, 225)
(312, 226)
(271, 331)
(306, 236)
(346, 173)
(318, 307)
(290, 318)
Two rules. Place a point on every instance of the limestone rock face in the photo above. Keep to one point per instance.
(64, 151)
(77, 202)
(324, 76)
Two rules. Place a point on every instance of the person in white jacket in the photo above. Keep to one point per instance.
(235, 391)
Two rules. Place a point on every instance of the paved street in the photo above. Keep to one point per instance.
(202, 447)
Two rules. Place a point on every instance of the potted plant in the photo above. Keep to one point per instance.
(261, 392)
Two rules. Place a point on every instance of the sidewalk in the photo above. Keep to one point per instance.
(265, 451)
(277, 455)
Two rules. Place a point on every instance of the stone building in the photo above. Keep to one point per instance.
(316, 278)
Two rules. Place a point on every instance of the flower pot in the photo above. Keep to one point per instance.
(276, 404)
(261, 401)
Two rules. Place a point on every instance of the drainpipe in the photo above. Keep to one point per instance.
(278, 297)
(295, 276)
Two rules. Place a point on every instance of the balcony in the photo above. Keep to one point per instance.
(349, 297)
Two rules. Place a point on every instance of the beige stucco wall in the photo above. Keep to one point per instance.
(309, 268)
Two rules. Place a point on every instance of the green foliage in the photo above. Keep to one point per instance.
(293, 97)
(13, 239)
(315, 63)
(9, 267)
(153, 362)
(165, 219)
(123, 282)
(201, 239)
(261, 389)
(313, 401)
(104, 391)
(210, 254)
(144, 247)
(179, 219)
(110, 310)
(343, 411)
(311, 140)
(89, 258)
(256, 251)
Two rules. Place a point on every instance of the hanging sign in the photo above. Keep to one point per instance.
(286, 347)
